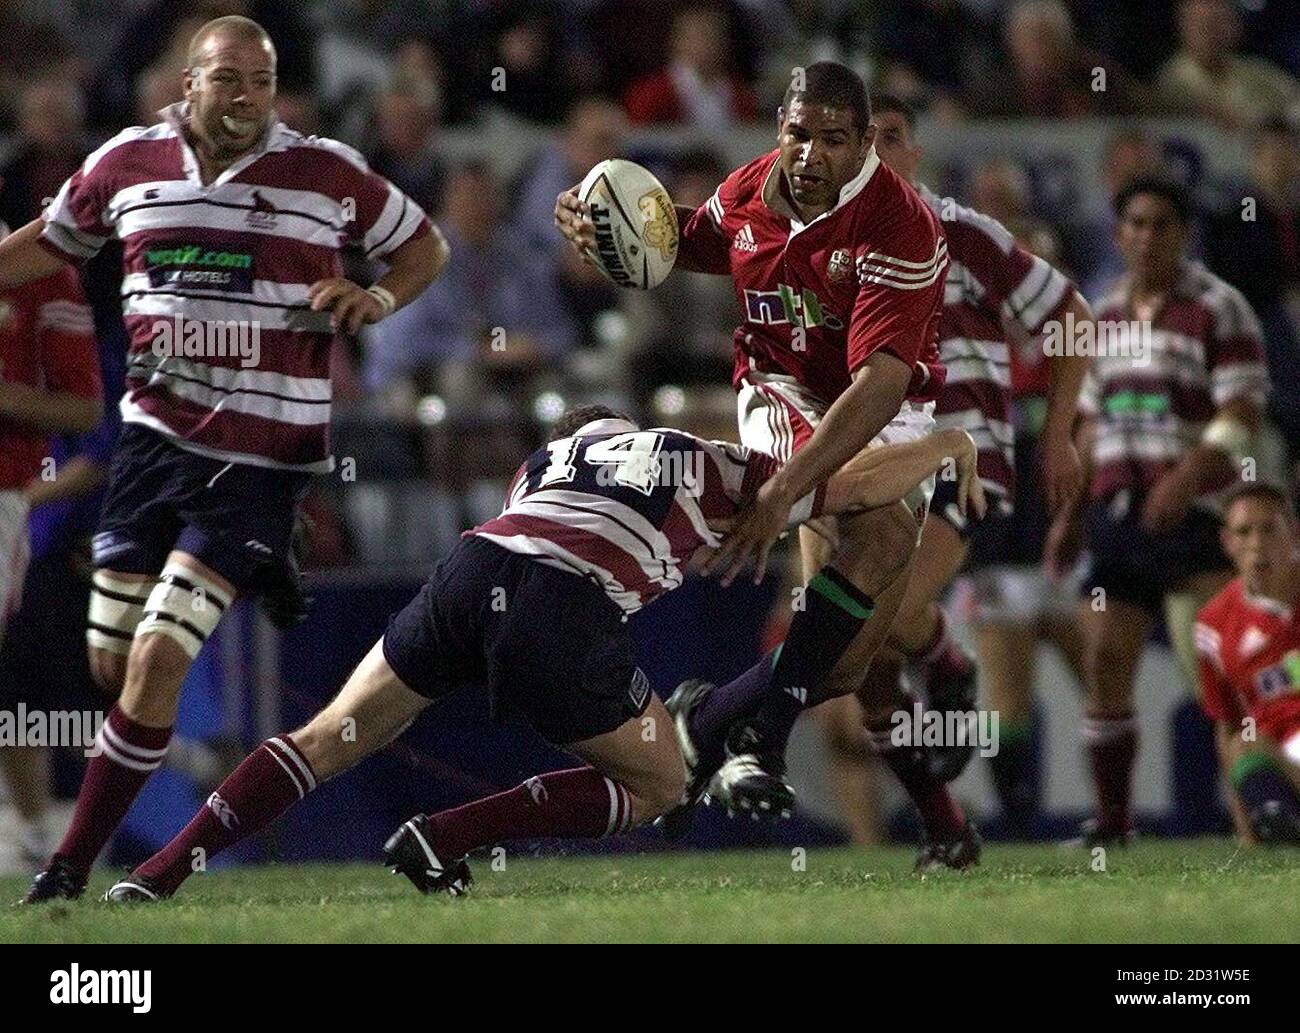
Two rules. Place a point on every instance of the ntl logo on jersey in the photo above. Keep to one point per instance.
(784, 305)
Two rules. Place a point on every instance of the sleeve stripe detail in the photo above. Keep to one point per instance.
(940, 252)
(714, 207)
(886, 281)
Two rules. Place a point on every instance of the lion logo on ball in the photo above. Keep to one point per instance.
(660, 223)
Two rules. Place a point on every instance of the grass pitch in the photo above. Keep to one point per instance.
(1158, 891)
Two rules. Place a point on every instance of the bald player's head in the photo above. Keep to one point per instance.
(230, 28)
(230, 85)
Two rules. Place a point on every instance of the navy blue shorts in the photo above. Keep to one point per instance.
(235, 518)
(1140, 568)
(548, 644)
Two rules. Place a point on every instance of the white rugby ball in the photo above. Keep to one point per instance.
(636, 225)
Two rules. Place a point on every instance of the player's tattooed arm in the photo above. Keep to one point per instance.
(57, 412)
(879, 476)
(411, 268)
(23, 259)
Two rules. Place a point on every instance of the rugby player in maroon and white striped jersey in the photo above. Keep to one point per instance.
(1172, 407)
(532, 608)
(232, 227)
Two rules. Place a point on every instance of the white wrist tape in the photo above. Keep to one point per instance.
(385, 299)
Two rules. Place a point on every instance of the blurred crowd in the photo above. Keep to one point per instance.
(518, 324)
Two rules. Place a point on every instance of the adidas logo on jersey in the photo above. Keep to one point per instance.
(744, 240)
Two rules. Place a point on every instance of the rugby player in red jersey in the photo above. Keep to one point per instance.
(990, 278)
(49, 384)
(533, 605)
(232, 226)
(838, 267)
(1248, 654)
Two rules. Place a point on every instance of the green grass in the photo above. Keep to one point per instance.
(1165, 891)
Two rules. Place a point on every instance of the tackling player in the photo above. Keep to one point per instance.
(232, 224)
(1171, 408)
(838, 269)
(534, 604)
(1248, 654)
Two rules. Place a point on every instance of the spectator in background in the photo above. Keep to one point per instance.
(1209, 78)
(29, 50)
(1254, 244)
(698, 87)
(489, 318)
(51, 144)
(594, 130)
(529, 53)
(406, 118)
(155, 29)
(931, 49)
(680, 332)
(1051, 74)
(1127, 154)
(298, 110)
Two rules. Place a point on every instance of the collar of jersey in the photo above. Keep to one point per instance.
(276, 138)
(771, 192)
(606, 426)
(1266, 603)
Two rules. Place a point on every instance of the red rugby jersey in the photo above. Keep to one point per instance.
(235, 255)
(818, 299)
(47, 340)
(1249, 657)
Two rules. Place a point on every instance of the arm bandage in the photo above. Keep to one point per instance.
(385, 298)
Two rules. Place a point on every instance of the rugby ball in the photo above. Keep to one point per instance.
(636, 226)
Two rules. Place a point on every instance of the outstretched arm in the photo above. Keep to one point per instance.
(24, 260)
(881, 475)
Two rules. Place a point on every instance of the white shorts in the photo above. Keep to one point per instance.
(778, 415)
(1021, 595)
(15, 551)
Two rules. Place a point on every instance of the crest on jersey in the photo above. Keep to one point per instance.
(1251, 643)
(840, 265)
(263, 213)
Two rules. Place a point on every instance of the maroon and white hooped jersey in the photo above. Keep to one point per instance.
(629, 507)
(1203, 348)
(234, 257)
(817, 299)
(990, 278)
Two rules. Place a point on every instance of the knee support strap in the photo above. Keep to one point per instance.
(185, 606)
(116, 607)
